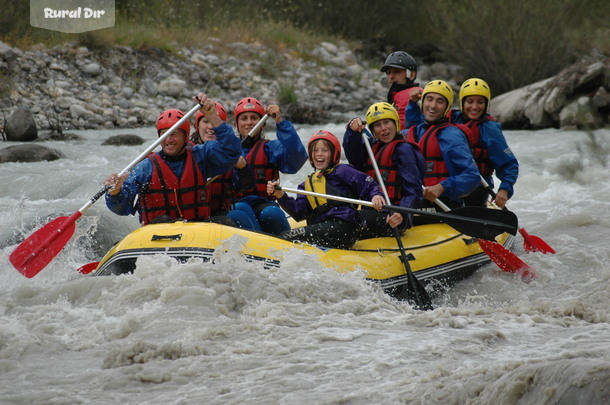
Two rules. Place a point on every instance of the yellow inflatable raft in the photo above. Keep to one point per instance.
(435, 251)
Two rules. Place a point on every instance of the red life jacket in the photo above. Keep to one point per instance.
(185, 197)
(263, 170)
(383, 156)
(436, 169)
(220, 193)
(401, 100)
(479, 151)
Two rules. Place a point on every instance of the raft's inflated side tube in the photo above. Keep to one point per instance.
(436, 251)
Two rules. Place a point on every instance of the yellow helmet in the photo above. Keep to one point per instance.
(475, 87)
(382, 111)
(440, 87)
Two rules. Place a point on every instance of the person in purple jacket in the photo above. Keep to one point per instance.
(400, 162)
(329, 223)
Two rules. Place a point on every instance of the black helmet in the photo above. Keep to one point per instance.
(400, 60)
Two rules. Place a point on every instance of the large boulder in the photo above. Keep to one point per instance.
(126, 139)
(580, 114)
(20, 126)
(29, 153)
(577, 97)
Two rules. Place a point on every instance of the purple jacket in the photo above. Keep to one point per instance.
(346, 181)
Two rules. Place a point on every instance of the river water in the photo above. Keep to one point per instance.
(234, 333)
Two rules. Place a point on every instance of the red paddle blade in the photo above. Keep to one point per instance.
(34, 253)
(507, 260)
(533, 243)
(88, 268)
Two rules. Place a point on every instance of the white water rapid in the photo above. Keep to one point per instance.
(234, 333)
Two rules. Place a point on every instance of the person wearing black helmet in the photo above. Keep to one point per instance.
(401, 71)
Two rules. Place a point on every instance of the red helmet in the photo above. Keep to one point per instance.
(220, 110)
(248, 104)
(332, 139)
(169, 117)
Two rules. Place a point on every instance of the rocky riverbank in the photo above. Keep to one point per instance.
(73, 87)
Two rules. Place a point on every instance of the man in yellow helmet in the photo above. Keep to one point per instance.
(487, 143)
(451, 173)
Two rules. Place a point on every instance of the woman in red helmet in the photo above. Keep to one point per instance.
(204, 130)
(268, 158)
(329, 223)
(171, 184)
(224, 188)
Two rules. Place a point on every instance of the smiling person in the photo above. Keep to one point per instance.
(171, 184)
(204, 130)
(487, 142)
(329, 223)
(401, 71)
(268, 158)
(224, 188)
(451, 173)
(400, 163)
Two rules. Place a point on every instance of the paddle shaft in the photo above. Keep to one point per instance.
(36, 251)
(258, 126)
(444, 217)
(421, 297)
(142, 156)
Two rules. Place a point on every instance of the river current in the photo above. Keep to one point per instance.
(234, 333)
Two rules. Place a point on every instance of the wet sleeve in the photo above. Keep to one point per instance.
(287, 153)
(123, 202)
(500, 155)
(413, 115)
(409, 164)
(354, 148)
(219, 156)
(299, 207)
(464, 174)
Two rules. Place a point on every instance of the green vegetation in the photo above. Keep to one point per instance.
(287, 94)
(509, 43)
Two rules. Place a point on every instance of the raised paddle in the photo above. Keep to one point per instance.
(33, 254)
(531, 243)
(415, 292)
(258, 125)
(505, 259)
(478, 222)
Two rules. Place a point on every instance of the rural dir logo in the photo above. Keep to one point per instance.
(72, 16)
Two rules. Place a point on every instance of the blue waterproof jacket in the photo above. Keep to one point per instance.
(413, 116)
(350, 182)
(463, 173)
(500, 156)
(408, 161)
(213, 158)
(287, 153)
